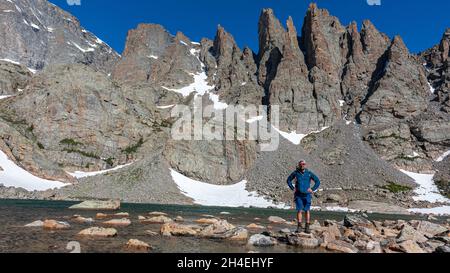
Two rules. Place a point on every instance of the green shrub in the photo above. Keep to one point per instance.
(109, 161)
(396, 188)
(83, 153)
(133, 148)
(70, 142)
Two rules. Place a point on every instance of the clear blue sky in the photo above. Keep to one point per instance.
(421, 23)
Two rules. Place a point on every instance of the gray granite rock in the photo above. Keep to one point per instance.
(40, 34)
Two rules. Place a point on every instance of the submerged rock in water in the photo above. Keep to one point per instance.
(101, 216)
(118, 222)
(179, 219)
(55, 225)
(174, 229)
(82, 220)
(285, 230)
(157, 213)
(207, 221)
(255, 226)
(157, 220)
(137, 245)
(38, 223)
(98, 232)
(122, 214)
(262, 240)
(208, 216)
(98, 205)
(151, 233)
(276, 220)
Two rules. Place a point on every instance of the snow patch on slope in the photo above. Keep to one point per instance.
(432, 90)
(254, 119)
(200, 85)
(214, 195)
(427, 190)
(165, 106)
(90, 49)
(17, 63)
(14, 176)
(5, 97)
(79, 174)
(443, 156)
(295, 138)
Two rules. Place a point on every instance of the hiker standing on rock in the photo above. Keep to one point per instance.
(303, 193)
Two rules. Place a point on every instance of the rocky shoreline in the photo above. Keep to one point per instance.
(354, 234)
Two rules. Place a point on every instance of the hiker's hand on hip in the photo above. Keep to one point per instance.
(310, 191)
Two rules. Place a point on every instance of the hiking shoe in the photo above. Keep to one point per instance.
(299, 228)
(307, 230)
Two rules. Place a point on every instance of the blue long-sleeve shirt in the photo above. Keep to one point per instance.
(303, 181)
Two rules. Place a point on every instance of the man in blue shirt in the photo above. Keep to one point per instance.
(303, 193)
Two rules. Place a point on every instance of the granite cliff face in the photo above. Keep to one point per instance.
(436, 61)
(78, 105)
(154, 56)
(38, 33)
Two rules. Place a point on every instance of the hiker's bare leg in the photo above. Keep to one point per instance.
(308, 217)
(299, 217)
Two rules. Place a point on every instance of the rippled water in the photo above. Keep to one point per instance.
(14, 237)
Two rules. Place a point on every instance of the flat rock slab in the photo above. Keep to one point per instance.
(82, 220)
(157, 220)
(255, 226)
(157, 213)
(97, 205)
(136, 245)
(38, 223)
(174, 229)
(118, 222)
(276, 220)
(55, 225)
(98, 232)
(377, 207)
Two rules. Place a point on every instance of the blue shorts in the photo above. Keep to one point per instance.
(303, 202)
